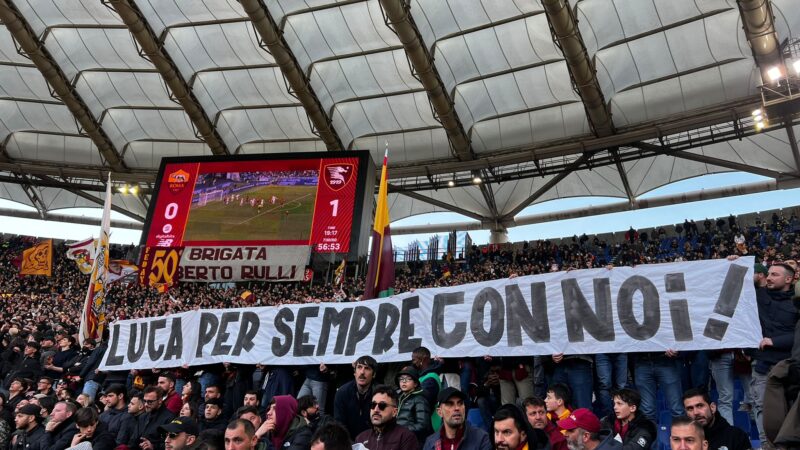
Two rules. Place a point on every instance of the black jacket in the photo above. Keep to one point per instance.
(60, 438)
(722, 434)
(28, 440)
(641, 432)
(778, 317)
(217, 424)
(149, 423)
(352, 409)
(119, 423)
(102, 439)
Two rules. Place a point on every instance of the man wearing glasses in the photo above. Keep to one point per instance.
(155, 415)
(181, 434)
(385, 433)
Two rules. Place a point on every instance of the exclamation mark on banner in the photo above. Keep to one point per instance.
(726, 302)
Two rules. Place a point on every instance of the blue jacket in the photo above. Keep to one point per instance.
(474, 439)
(778, 317)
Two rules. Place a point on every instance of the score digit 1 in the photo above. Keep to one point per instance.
(335, 206)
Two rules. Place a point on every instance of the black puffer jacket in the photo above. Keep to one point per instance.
(415, 414)
(641, 432)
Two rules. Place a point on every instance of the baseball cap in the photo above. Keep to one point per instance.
(581, 418)
(31, 410)
(181, 425)
(447, 393)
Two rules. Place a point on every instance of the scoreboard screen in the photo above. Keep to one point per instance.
(314, 199)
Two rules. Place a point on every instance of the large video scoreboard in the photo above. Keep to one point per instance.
(214, 207)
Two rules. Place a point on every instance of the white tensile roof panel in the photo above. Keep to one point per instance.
(406, 147)
(161, 14)
(212, 46)
(489, 51)
(147, 154)
(43, 14)
(76, 50)
(334, 32)
(229, 89)
(53, 148)
(382, 115)
(239, 127)
(104, 90)
(351, 78)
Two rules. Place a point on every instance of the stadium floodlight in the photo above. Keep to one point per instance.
(134, 190)
(759, 126)
(476, 179)
(451, 183)
(756, 112)
(774, 73)
(123, 189)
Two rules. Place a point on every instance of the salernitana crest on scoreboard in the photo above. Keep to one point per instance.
(337, 176)
(178, 180)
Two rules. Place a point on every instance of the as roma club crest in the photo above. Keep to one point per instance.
(178, 180)
(337, 176)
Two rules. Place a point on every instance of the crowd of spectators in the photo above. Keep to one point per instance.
(55, 398)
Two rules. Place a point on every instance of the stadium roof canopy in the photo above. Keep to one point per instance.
(538, 99)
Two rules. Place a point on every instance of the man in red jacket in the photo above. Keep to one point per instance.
(536, 412)
(173, 400)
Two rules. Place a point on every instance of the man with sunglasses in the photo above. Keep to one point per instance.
(156, 414)
(181, 434)
(385, 433)
(456, 433)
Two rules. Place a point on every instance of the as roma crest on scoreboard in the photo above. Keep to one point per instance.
(337, 176)
(177, 181)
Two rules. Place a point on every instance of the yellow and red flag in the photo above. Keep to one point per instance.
(380, 274)
(338, 278)
(93, 317)
(38, 260)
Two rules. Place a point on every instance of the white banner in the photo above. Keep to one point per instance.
(213, 264)
(681, 306)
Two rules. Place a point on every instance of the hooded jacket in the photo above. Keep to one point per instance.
(641, 432)
(285, 412)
